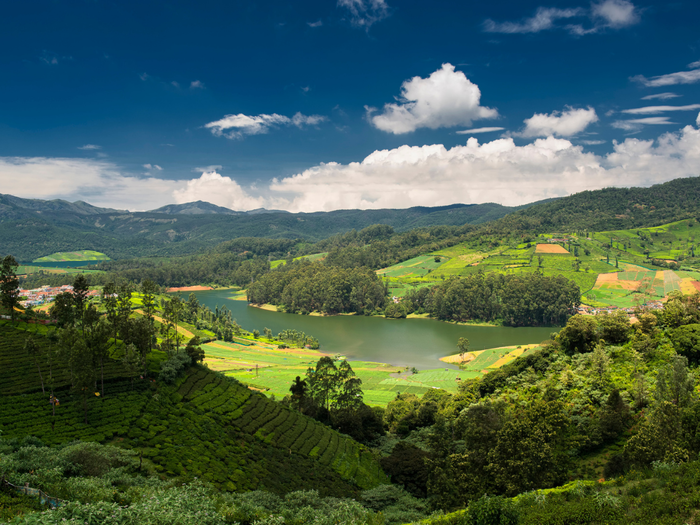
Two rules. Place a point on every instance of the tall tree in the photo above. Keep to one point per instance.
(148, 291)
(35, 353)
(9, 284)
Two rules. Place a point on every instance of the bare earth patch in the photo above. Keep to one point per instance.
(550, 248)
(189, 289)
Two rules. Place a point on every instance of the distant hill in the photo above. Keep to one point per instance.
(33, 228)
(195, 208)
(614, 208)
(207, 208)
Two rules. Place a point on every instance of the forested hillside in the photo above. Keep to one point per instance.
(32, 228)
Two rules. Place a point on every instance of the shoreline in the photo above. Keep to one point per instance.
(198, 288)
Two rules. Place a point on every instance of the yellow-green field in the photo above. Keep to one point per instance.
(263, 366)
(82, 255)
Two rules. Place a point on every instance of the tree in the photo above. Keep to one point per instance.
(132, 361)
(298, 390)
(463, 347)
(532, 449)
(194, 350)
(580, 335)
(9, 284)
(322, 381)
(348, 388)
(33, 350)
(109, 301)
(148, 291)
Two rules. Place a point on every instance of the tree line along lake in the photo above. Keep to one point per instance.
(402, 342)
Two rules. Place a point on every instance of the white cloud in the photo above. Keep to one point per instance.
(90, 147)
(365, 13)
(196, 84)
(637, 124)
(697, 120)
(563, 124)
(497, 171)
(144, 76)
(660, 96)
(175, 84)
(613, 14)
(592, 142)
(318, 23)
(616, 13)
(98, 182)
(152, 167)
(544, 18)
(219, 190)
(671, 79)
(242, 125)
(443, 100)
(650, 110)
(478, 130)
(431, 175)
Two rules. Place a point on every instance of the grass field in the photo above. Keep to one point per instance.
(312, 258)
(416, 267)
(82, 255)
(265, 367)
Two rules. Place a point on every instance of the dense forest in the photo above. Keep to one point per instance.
(308, 287)
(517, 300)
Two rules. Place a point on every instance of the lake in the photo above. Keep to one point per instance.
(400, 342)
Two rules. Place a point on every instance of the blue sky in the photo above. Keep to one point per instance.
(320, 105)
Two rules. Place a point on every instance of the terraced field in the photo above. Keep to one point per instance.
(207, 426)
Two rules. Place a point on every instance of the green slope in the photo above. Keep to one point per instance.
(206, 426)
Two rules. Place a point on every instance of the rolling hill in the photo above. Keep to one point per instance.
(34, 228)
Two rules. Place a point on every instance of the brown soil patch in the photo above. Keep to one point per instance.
(607, 277)
(550, 248)
(189, 289)
(696, 284)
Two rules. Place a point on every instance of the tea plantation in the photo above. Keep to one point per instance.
(206, 426)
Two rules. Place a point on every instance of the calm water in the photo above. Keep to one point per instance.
(401, 342)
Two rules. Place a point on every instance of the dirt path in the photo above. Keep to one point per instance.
(180, 329)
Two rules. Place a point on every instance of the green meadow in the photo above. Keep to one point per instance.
(82, 255)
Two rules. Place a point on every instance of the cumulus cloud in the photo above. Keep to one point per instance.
(365, 13)
(562, 124)
(697, 120)
(98, 182)
(319, 23)
(222, 191)
(478, 130)
(241, 125)
(497, 171)
(443, 100)
(650, 110)
(196, 84)
(660, 96)
(614, 14)
(671, 79)
(152, 167)
(90, 147)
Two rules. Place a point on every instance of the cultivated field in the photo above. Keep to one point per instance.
(82, 255)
